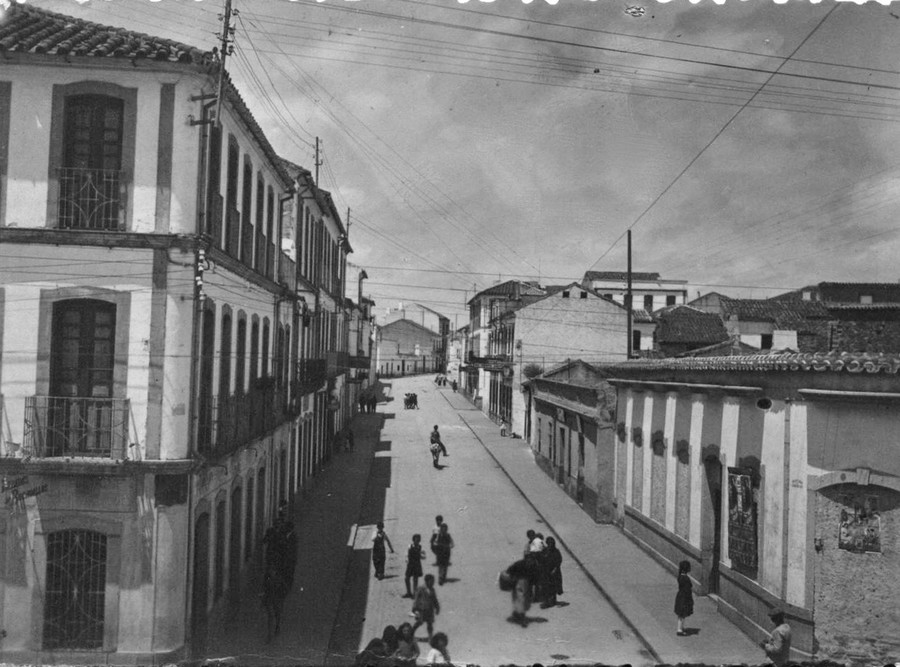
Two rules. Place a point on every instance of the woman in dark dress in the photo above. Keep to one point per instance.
(552, 562)
(443, 544)
(684, 600)
(378, 554)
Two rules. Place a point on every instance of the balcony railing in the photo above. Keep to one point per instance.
(237, 419)
(287, 272)
(360, 362)
(338, 363)
(90, 199)
(310, 375)
(66, 426)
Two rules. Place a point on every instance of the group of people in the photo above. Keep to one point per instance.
(411, 401)
(368, 402)
(536, 577)
(441, 381)
(279, 563)
(397, 647)
(425, 604)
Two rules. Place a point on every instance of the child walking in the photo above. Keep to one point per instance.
(684, 600)
(426, 606)
(414, 556)
(378, 554)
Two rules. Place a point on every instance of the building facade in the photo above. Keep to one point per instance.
(777, 477)
(166, 375)
(407, 348)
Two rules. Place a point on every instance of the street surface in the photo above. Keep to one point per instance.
(617, 606)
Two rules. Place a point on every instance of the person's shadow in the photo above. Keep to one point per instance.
(691, 631)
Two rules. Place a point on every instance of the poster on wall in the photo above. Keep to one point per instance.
(860, 529)
(742, 545)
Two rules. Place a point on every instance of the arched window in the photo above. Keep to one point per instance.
(225, 356)
(265, 348)
(254, 350)
(75, 594)
(240, 354)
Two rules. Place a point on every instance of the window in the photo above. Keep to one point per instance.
(240, 355)
(806, 295)
(207, 356)
(866, 299)
(583, 295)
(90, 178)
(75, 594)
(225, 356)
(648, 302)
(765, 342)
(670, 299)
(231, 193)
(565, 294)
(254, 351)
(214, 185)
(246, 254)
(80, 416)
(219, 563)
(635, 340)
(265, 348)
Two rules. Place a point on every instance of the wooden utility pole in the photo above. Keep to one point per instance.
(224, 51)
(628, 303)
(317, 162)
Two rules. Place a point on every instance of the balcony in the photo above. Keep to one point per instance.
(360, 362)
(90, 199)
(287, 272)
(492, 362)
(237, 419)
(58, 426)
(337, 362)
(310, 375)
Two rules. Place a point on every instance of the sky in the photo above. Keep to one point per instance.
(750, 147)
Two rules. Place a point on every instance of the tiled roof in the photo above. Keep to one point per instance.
(683, 324)
(641, 315)
(619, 275)
(28, 29)
(836, 362)
(32, 30)
(786, 314)
(726, 348)
(512, 288)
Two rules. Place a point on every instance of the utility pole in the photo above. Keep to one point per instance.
(224, 51)
(628, 302)
(317, 162)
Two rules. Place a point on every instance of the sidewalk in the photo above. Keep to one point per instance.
(630, 579)
(331, 501)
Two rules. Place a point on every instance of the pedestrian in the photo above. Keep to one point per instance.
(552, 579)
(379, 650)
(503, 428)
(426, 606)
(414, 556)
(438, 520)
(362, 402)
(373, 403)
(684, 599)
(529, 538)
(407, 648)
(435, 437)
(280, 548)
(351, 443)
(378, 554)
(443, 545)
(534, 558)
(778, 645)
(523, 574)
(438, 655)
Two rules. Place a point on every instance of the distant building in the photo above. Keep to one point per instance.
(680, 329)
(649, 291)
(407, 348)
(425, 317)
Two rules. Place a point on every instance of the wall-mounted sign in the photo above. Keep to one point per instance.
(16, 490)
(742, 539)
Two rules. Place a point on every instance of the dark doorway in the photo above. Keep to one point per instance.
(200, 593)
(711, 530)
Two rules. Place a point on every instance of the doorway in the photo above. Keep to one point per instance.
(711, 528)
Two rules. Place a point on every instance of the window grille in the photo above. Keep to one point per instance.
(74, 601)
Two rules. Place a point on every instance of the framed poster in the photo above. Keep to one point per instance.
(742, 534)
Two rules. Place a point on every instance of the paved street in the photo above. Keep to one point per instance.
(618, 600)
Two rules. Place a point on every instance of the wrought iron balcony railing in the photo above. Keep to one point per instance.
(70, 426)
(234, 420)
(90, 199)
(310, 375)
(360, 362)
(338, 363)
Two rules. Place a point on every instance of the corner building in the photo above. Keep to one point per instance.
(164, 383)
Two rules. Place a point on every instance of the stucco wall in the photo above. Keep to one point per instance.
(856, 594)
